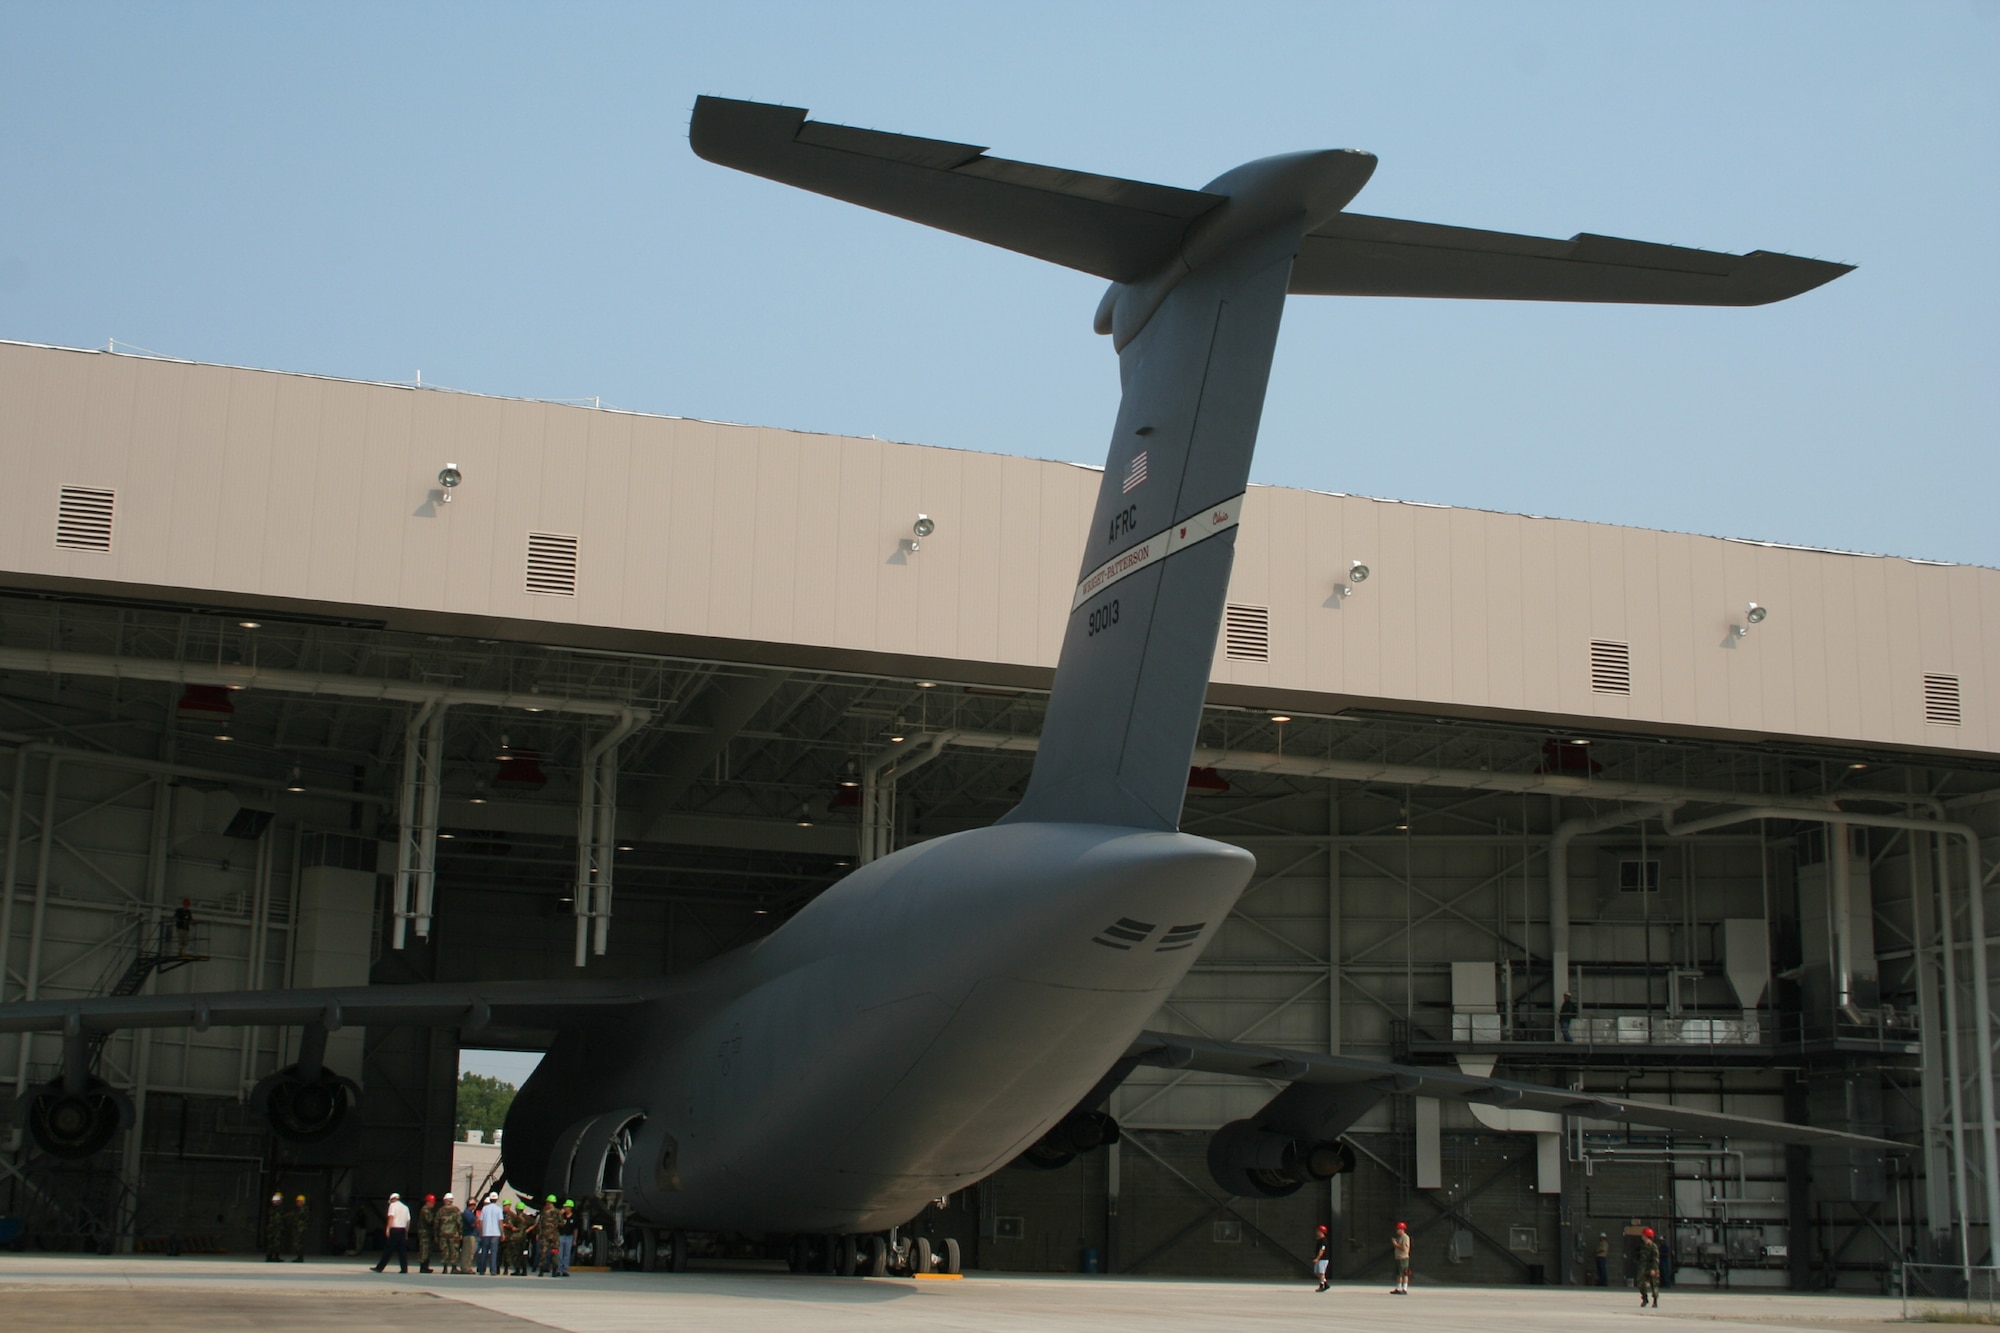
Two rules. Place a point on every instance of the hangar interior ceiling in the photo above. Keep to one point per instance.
(1401, 909)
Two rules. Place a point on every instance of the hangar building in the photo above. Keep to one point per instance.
(635, 688)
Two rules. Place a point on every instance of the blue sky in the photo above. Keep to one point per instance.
(501, 196)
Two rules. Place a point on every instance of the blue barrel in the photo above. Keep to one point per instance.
(1093, 1260)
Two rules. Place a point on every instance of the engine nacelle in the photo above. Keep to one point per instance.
(1077, 1132)
(590, 1156)
(74, 1125)
(1256, 1163)
(301, 1109)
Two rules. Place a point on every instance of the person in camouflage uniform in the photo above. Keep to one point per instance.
(511, 1239)
(295, 1229)
(450, 1235)
(1649, 1269)
(548, 1234)
(426, 1231)
(274, 1228)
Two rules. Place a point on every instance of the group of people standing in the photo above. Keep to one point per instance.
(1399, 1247)
(285, 1230)
(509, 1238)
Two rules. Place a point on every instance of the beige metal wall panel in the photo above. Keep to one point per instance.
(255, 486)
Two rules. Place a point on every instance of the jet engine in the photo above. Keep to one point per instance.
(1077, 1132)
(302, 1107)
(72, 1124)
(1254, 1162)
(589, 1157)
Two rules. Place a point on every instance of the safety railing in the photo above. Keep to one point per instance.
(1951, 1293)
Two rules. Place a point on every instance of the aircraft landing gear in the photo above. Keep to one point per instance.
(874, 1256)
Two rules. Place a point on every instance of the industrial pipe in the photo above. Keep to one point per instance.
(1976, 913)
(1565, 833)
(406, 819)
(597, 835)
(876, 787)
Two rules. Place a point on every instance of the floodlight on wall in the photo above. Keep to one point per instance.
(1357, 572)
(923, 527)
(448, 480)
(1753, 614)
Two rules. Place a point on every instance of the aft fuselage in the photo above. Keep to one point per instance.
(912, 1030)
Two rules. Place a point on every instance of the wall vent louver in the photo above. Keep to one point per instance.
(1610, 667)
(1246, 633)
(1941, 705)
(83, 518)
(552, 564)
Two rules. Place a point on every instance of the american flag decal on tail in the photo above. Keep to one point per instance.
(1135, 476)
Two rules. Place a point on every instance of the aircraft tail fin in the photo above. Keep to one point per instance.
(1117, 229)
(1199, 285)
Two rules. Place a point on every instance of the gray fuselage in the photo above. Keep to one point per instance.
(912, 1030)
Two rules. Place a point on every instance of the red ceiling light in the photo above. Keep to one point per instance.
(1206, 782)
(518, 770)
(205, 703)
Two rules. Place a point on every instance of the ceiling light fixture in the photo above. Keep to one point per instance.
(1281, 718)
(250, 624)
(295, 782)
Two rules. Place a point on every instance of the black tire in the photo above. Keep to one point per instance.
(798, 1255)
(847, 1260)
(920, 1256)
(649, 1250)
(678, 1261)
(951, 1255)
(875, 1257)
(826, 1255)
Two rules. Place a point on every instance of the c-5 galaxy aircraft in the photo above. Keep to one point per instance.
(953, 1006)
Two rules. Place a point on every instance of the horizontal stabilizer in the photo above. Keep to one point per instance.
(1265, 1062)
(1358, 255)
(1117, 229)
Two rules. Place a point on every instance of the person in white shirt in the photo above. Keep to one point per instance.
(487, 1259)
(396, 1234)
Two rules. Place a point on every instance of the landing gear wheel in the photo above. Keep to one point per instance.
(677, 1262)
(920, 1256)
(875, 1256)
(798, 1255)
(951, 1254)
(826, 1256)
(846, 1260)
(649, 1251)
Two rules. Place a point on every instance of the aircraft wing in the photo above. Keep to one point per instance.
(1117, 229)
(1359, 255)
(471, 1005)
(1266, 1062)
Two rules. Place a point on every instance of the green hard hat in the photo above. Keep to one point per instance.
(550, 1199)
(569, 1203)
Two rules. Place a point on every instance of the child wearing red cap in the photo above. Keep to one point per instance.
(1320, 1258)
(1400, 1243)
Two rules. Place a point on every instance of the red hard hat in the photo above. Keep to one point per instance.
(430, 1198)
(1402, 1226)
(1322, 1229)
(1647, 1233)
(187, 902)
